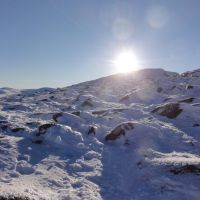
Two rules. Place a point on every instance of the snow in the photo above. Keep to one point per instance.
(54, 142)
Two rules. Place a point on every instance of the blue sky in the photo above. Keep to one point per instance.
(61, 42)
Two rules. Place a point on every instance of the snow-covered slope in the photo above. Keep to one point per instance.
(126, 136)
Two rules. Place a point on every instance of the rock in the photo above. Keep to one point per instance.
(92, 130)
(120, 130)
(196, 125)
(188, 87)
(171, 110)
(77, 113)
(38, 141)
(43, 128)
(125, 98)
(189, 100)
(167, 99)
(11, 197)
(17, 129)
(87, 102)
(44, 100)
(56, 116)
(187, 169)
(159, 89)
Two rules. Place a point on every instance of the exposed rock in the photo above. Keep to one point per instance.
(56, 116)
(44, 100)
(125, 98)
(92, 130)
(196, 125)
(17, 129)
(159, 89)
(120, 130)
(38, 141)
(11, 197)
(189, 100)
(171, 110)
(187, 169)
(167, 99)
(77, 113)
(189, 87)
(43, 128)
(87, 102)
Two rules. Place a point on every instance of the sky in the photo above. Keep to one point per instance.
(56, 43)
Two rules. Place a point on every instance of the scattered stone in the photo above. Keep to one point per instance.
(120, 130)
(171, 110)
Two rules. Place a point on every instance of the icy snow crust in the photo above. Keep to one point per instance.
(53, 142)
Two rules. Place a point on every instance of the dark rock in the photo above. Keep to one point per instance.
(171, 110)
(99, 112)
(56, 116)
(88, 103)
(187, 169)
(92, 130)
(173, 87)
(43, 128)
(189, 100)
(11, 197)
(38, 141)
(188, 87)
(167, 99)
(4, 127)
(17, 129)
(196, 125)
(77, 113)
(159, 89)
(120, 130)
(44, 100)
(125, 98)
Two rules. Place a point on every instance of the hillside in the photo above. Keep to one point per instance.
(126, 136)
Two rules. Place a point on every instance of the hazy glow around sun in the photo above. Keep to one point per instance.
(125, 62)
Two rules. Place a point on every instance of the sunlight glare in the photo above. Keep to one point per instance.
(126, 62)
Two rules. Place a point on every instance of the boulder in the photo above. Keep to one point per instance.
(120, 130)
(171, 110)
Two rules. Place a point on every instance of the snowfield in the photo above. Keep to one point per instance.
(129, 136)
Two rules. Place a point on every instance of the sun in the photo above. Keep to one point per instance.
(126, 62)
